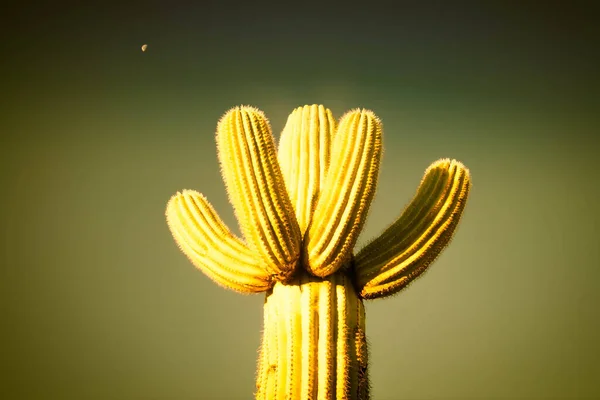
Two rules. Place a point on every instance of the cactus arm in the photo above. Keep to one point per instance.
(304, 152)
(211, 247)
(257, 190)
(406, 249)
(349, 187)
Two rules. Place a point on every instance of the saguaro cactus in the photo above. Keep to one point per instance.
(301, 209)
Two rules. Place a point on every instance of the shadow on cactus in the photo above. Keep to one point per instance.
(301, 208)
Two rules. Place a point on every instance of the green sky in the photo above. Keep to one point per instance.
(96, 135)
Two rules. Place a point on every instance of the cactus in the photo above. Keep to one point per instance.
(301, 208)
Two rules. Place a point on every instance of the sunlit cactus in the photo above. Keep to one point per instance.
(301, 208)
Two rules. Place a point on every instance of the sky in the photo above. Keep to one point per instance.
(96, 135)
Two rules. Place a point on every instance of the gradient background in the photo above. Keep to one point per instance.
(97, 301)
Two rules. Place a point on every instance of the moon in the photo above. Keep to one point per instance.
(144, 47)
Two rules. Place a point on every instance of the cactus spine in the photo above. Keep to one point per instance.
(301, 208)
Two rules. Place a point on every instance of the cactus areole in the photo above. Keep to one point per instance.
(301, 207)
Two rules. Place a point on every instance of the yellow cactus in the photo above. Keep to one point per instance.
(301, 210)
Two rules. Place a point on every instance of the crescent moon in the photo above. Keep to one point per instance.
(144, 47)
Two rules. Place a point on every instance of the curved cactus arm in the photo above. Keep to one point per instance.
(303, 154)
(211, 247)
(347, 192)
(256, 189)
(407, 248)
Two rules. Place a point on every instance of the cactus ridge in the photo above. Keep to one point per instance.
(301, 208)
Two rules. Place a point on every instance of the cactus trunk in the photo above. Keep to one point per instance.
(314, 344)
